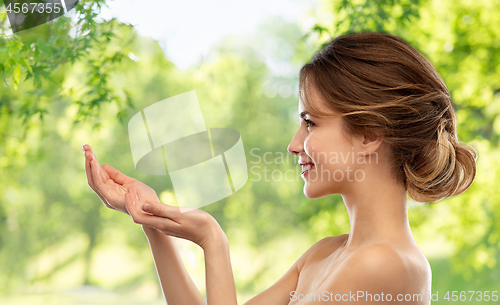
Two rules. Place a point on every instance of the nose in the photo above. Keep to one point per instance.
(296, 146)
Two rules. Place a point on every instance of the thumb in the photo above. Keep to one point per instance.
(161, 209)
(115, 174)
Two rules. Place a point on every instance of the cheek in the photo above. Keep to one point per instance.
(318, 150)
(330, 153)
(310, 147)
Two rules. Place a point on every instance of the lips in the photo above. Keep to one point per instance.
(306, 167)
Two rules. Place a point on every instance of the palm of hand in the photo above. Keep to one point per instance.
(117, 188)
(111, 185)
(117, 191)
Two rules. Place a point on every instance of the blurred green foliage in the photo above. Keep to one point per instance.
(65, 84)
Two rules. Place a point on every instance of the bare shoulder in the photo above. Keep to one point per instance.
(387, 257)
(384, 267)
(322, 248)
(330, 242)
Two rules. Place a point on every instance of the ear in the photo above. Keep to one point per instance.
(370, 143)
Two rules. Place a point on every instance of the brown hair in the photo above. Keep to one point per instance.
(380, 84)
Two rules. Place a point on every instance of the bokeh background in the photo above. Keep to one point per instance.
(81, 77)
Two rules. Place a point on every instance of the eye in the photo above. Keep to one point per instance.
(309, 123)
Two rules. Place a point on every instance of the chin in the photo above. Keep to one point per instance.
(317, 189)
(312, 193)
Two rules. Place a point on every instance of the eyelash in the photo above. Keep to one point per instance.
(309, 122)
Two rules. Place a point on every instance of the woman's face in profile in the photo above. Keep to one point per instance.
(322, 144)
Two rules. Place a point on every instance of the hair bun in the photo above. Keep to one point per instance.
(442, 169)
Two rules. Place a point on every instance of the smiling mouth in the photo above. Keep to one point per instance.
(306, 168)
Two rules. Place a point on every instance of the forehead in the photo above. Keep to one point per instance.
(311, 102)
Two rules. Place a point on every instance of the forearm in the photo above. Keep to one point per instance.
(219, 274)
(178, 287)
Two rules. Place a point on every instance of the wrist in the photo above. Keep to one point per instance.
(149, 230)
(217, 241)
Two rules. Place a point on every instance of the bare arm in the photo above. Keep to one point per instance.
(197, 226)
(177, 285)
(219, 273)
(202, 229)
(281, 292)
(111, 185)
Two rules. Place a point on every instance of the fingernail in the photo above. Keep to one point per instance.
(147, 207)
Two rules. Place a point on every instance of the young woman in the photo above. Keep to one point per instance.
(377, 125)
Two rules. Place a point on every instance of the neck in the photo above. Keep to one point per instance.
(377, 211)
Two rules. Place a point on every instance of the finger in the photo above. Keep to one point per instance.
(115, 174)
(99, 175)
(127, 204)
(161, 209)
(140, 217)
(96, 176)
(166, 210)
(88, 148)
(141, 197)
(104, 174)
(130, 205)
(88, 171)
(88, 158)
(131, 202)
(99, 186)
(90, 153)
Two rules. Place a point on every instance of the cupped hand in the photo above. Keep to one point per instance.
(192, 224)
(110, 184)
